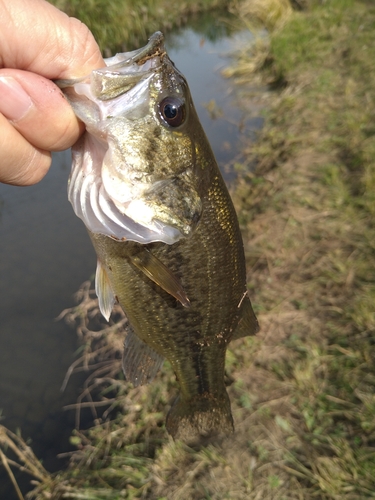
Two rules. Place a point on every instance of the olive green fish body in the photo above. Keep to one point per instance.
(210, 266)
(145, 182)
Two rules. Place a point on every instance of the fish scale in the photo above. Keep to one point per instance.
(175, 263)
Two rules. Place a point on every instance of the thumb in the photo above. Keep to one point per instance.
(37, 108)
(35, 119)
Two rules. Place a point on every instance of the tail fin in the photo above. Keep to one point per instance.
(205, 415)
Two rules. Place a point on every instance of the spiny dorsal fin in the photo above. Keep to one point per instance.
(140, 363)
(104, 291)
(248, 324)
(154, 269)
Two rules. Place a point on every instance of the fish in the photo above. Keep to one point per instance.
(146, 184)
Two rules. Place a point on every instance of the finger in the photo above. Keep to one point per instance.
(60, 46)
(21, 163)
(38, 110)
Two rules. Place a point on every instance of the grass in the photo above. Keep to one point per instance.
(121, 26)
(303, 390)
(307, 212)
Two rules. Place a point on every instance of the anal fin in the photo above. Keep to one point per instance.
(248, 324)
(140, 363)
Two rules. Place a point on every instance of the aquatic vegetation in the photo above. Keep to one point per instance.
(20, 456)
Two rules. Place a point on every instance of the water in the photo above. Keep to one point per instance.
(200, 52)
(45, 254)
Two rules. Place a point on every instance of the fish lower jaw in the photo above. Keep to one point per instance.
(204, 416)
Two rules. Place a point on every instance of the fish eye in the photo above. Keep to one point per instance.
(172, 111)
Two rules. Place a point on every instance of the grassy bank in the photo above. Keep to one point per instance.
(307, 212)
(302, 391)
(121, 26)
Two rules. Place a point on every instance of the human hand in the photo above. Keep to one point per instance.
(38, 43)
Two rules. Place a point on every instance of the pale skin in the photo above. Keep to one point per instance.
(38, 43)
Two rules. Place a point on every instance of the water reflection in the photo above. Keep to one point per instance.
(200, 52)
(45, 254)
(211, 26)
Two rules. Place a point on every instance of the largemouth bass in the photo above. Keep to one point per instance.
(146, 184)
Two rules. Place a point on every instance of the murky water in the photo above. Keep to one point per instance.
(201, 60)
(45, 255)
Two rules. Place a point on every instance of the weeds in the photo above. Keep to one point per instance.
(122, 26)
(20, 456)
(308, 219)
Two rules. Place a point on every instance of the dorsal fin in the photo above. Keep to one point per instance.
(104, 291)
(154, 269)
(140, 363)
(248, 324)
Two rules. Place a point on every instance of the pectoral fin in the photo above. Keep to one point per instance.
(248, 324)
(156, 271)
(104, 291)
(140, 363)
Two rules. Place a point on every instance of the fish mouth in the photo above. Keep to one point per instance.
(154, 48)
(136, 65)
(122, 71)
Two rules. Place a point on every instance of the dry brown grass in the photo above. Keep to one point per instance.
(19, 455)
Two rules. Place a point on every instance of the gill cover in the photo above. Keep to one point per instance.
(114, 186)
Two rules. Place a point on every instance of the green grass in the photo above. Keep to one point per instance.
(313, 221)
(120, 25)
